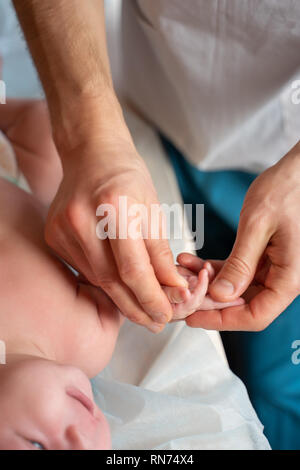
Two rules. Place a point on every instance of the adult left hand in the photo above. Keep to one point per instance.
(264, 264)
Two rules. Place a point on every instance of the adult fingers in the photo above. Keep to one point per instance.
(161, 259)
(107, 277)
(265, 304)
(103, 271)
(137, 273)
(240, 267)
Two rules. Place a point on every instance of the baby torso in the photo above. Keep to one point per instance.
(40, 298)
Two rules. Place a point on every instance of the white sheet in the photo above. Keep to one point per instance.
(185, 396)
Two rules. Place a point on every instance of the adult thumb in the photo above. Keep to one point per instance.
(239, 269)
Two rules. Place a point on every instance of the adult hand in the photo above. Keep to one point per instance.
(264, 265)
(98, 157)
(129, 270)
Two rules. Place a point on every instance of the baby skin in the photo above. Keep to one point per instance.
(59, 330)
(187, 301)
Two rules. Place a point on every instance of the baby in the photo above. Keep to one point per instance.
(59, 331)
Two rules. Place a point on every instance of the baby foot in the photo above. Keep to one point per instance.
(187, 301)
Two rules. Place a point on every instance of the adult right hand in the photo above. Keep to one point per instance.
(100, 163)
(130, 271)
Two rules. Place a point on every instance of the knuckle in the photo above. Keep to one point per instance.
(147, 304)
(236, 263)
(109, 196)
(107, 283)
(136, 318)
(164, 251)
(73, 215)
(132, 271)
(257, 219)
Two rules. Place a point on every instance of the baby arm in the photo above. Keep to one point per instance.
(109, 318)
(187, 301)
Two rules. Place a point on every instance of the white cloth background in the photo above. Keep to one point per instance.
(216, 76)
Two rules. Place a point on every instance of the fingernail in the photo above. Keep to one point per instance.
(223, 287)
(155, 327)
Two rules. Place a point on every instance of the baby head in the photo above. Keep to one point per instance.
(44, 405)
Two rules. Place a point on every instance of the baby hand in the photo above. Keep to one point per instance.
(187, 301)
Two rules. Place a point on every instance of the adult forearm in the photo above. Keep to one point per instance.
(68, 44)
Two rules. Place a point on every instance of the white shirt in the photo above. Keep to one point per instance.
(216, 76)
